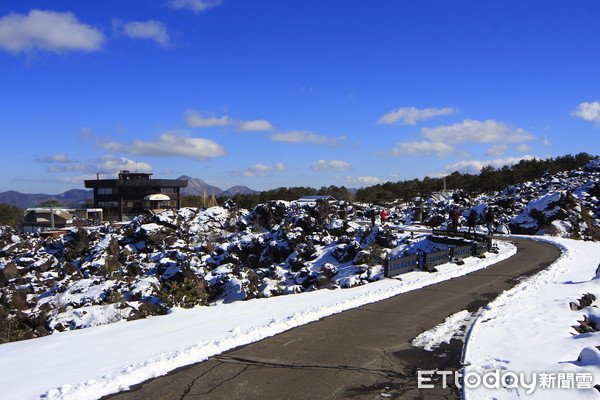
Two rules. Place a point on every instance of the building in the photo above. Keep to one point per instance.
(313, 199)
(136, 193)
(44, 218)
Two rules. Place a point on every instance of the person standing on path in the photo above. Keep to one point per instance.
(454, 216)
(489, 220)
(472, 220)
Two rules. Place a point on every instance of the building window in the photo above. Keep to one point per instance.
(105, 191)
(108, 204)
(167, 190)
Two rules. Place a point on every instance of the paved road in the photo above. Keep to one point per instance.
(363, 353)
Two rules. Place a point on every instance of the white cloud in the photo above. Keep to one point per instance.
(67, 168)
(169, 144)
(423, 148)
(307, 137)
(85, 134)
(109, 164)
(477, 132)
(546, 141)
(195, 120)
(47, 30)
(473, 167)
(151, 30)
(411, 115)
(588, 111)
(258, 125)
(205, 119)
(363, 180)
(497, 150)
(196, 6)
(56, 158)
(523, 148)
(78, 180)
(261, 170)
(331, 165)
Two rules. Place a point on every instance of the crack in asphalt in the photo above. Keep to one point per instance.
(193, 382)
(225, 381)
(249, 362)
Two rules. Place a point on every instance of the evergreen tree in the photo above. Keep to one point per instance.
(11, 216)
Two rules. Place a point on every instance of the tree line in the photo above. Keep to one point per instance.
(250, 201)
(489, 179)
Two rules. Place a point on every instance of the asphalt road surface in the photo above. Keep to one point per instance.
(363, 353)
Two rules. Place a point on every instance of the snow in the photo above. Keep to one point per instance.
(444, 332)
(96, 361)
(528, 329)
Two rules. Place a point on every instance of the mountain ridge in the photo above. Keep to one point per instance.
(197, 186)
(77, 197)
(24, 200)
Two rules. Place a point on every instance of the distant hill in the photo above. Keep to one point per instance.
(77, 197)
(237, 190)
(73, 197)
(197, 186)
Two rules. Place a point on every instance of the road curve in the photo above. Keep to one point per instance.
(363, 353)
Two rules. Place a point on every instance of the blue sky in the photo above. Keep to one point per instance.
(270, 93)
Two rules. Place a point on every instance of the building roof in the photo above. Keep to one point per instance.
(312, 199)
(157, 197)
(442, 195)
(139, 182)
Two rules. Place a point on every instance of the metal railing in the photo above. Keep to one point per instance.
(460, 234)
(427, 261)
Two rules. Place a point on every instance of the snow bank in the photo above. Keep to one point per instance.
(528, 329)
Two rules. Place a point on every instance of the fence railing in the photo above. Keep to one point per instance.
(401, 265)
(427, 261)
(460, 252)
(461, 234)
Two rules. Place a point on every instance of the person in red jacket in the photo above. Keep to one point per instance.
(454, 217)
(383, 216)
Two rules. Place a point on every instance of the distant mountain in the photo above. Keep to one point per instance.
(73, 197)
(237, 190)
(196, 187)
(77, 197)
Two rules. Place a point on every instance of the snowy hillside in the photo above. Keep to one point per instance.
(185, 258)
(565, 204)
(222, 254)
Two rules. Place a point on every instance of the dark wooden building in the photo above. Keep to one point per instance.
(134, 194)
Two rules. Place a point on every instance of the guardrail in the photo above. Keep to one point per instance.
(437, 258)
(401, 265)
(461, 234)
(460, 252)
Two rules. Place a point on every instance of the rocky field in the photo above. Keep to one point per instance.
(195, 257)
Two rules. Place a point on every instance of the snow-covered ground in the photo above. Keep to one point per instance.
(529, 330)
(527, 334)
(92, 362)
